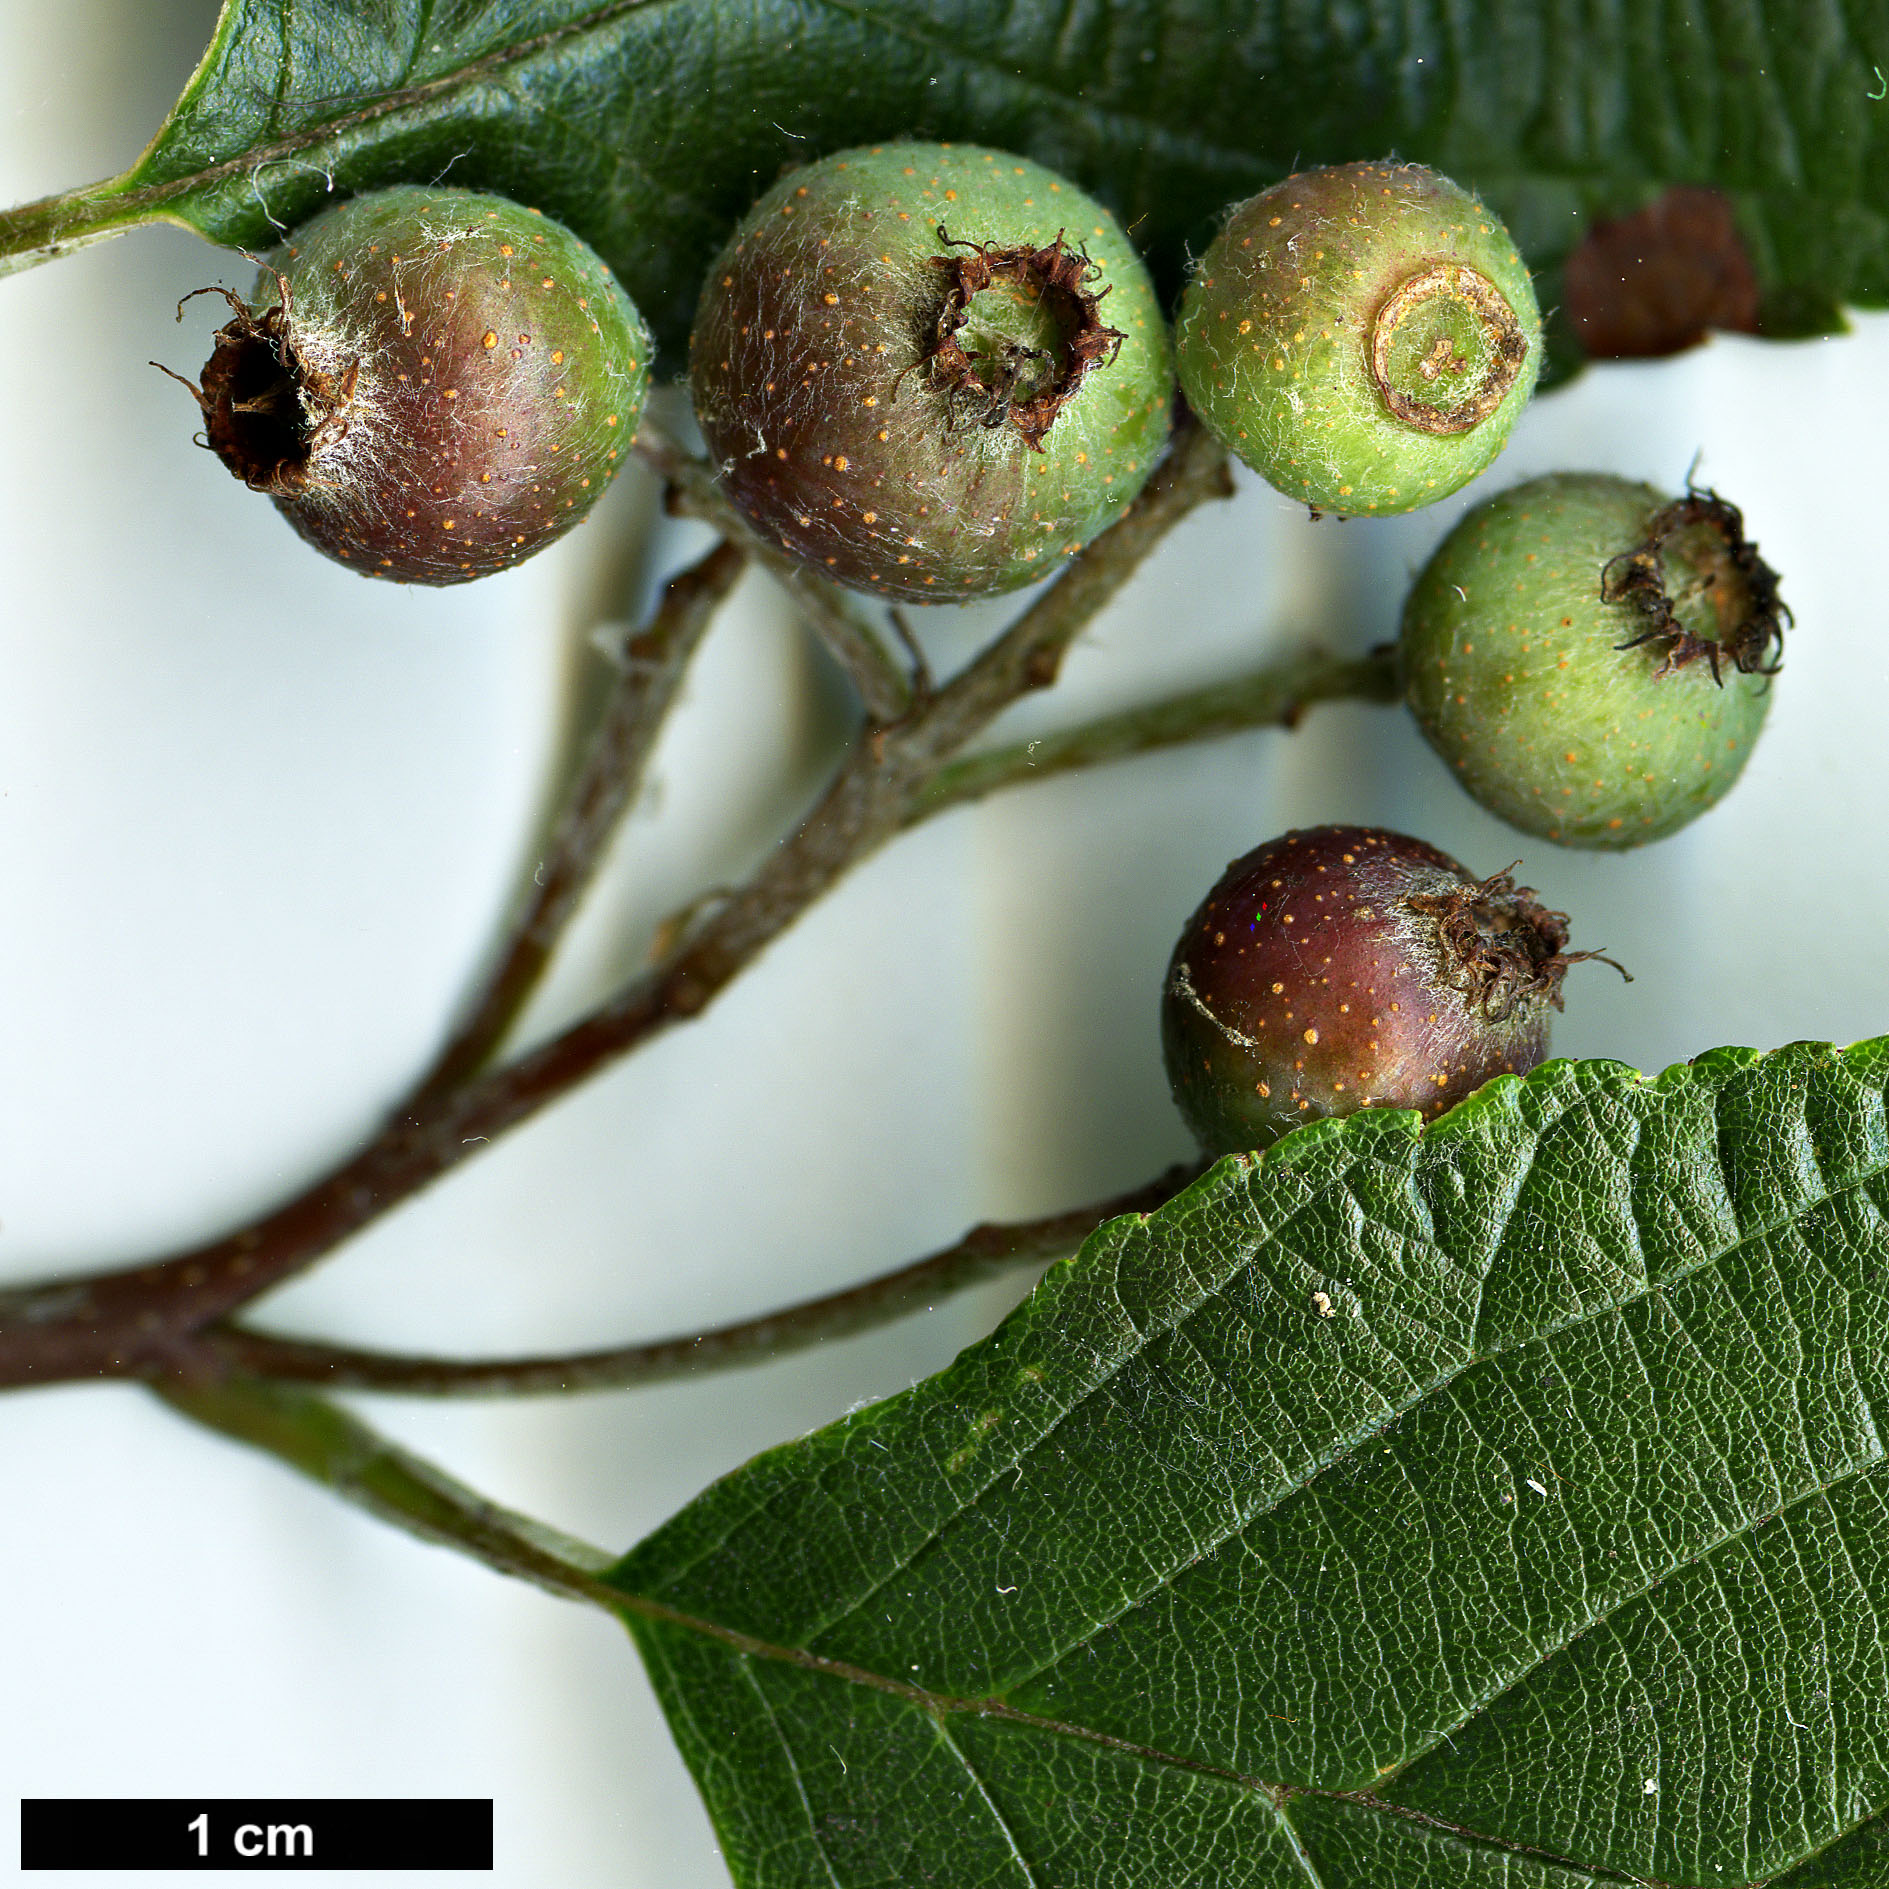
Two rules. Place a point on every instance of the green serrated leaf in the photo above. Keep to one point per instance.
(650, 125)
(1502, 1501)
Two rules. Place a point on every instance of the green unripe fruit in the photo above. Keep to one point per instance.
(431, 384)
(930, 371)
(1592, 658)
(1362, 336)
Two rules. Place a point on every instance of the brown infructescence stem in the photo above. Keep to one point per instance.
(42, 1328)
(986, 1252)
(884, 689)
(1277, 695)
(148, 1320)
(654, 662)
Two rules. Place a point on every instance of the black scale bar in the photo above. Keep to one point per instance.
(256, 1833)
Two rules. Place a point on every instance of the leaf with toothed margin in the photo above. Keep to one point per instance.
(650, 125)
(1500, 1502)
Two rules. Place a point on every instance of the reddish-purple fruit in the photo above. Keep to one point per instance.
(431, 384)
(1345, 967)
(930, 371)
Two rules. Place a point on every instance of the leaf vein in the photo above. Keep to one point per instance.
(1647, 1594)
(793, 1768)
(997, 1817)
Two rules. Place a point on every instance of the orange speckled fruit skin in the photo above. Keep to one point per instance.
(1274, 335)
(502, 371)
(1516, 676)
(807, 367)
(1304, 987)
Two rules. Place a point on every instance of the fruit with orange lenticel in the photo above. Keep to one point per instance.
(1346, 967)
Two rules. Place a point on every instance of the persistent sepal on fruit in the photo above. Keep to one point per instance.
(1346, 967)
(1363, 336)
(431, 384)
(1592, 657)
(930, 371)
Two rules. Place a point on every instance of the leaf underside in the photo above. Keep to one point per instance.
(651, 125)
(1500, 1502)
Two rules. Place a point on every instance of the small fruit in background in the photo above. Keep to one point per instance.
(1363, 336)
(1346, 967)
(431, 384)
(930, 371)
(1592, 657)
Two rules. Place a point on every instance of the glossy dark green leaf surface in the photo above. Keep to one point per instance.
(1499, 1503)
(650, 125)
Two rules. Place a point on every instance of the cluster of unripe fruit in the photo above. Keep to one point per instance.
(936, 372)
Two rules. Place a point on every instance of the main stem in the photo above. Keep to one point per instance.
(147, 1320)
(167, 1318)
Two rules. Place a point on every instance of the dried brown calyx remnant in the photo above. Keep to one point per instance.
(1693, 572)
(267, 409)
(1500, 946)
(1422, 342)
(1007, 381)
(1658, 281)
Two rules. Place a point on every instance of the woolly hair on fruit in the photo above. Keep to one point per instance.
(1344, 967)
(1593, 658)
(1362, 336)
(431, 384)
(930, 371)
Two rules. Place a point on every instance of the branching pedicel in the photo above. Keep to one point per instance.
(1014, 356)
(156, 1319)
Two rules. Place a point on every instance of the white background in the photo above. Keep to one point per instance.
(260, 822)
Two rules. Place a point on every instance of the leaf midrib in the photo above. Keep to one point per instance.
(1823, 1195)
(381, 105)
(947, 1705)
(476, 72)
(941, 1706)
